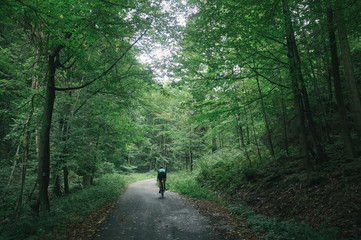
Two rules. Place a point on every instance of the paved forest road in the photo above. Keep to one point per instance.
(141, 214)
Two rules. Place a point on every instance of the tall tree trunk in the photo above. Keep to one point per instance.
(26, 138)
(214, 140)
(284, 121)
(255, 135)
(220, 137)
(239, 131)
(44, 140)
(314, 78)
(351, 83)
(296, 75)
(63, 158)
(349, 150)
(191, 154)
(58, 164)
(241, 135)
(248, 138)
(321, 155)
(57, 188)
(269, 136)
(65, 132)
(25, 155)
(66, 179)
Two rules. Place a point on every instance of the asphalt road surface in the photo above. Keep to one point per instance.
(142, 214)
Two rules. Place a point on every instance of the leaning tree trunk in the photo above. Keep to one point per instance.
(44, 140)
(296, 75)
(338, 87)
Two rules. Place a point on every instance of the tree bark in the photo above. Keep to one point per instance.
(296, 75)
(349, 150)
(321, 155)
(44, 139)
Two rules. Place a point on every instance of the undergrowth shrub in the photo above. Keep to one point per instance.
(227, 170)
(272, 228)
(185, 183)
(223, 176)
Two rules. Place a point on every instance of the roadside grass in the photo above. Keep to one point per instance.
(185, 183)
(266, 227)
(70, 209)
(273, 228)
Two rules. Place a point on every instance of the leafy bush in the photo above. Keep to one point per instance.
(223, 176)
(185, 183)
(107, 168)
(220, 155)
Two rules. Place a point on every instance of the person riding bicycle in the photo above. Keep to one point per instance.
(162, 174)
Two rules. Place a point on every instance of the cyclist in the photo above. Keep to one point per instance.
(162, 174)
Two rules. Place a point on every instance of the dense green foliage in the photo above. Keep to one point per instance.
(250, 84)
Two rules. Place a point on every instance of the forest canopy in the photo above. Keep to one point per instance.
(244, 82)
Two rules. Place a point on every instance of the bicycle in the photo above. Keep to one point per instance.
(161, 187)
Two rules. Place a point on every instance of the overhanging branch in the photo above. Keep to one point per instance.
(106, 71)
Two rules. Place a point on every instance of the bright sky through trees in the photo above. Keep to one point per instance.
(158, 53)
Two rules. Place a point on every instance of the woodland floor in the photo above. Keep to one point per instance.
(331, 194)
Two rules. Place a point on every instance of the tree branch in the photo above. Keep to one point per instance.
(267, 78)
(106, 71)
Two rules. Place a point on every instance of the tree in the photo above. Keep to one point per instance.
(338, 87)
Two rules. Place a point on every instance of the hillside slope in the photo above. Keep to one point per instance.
(330, 194)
